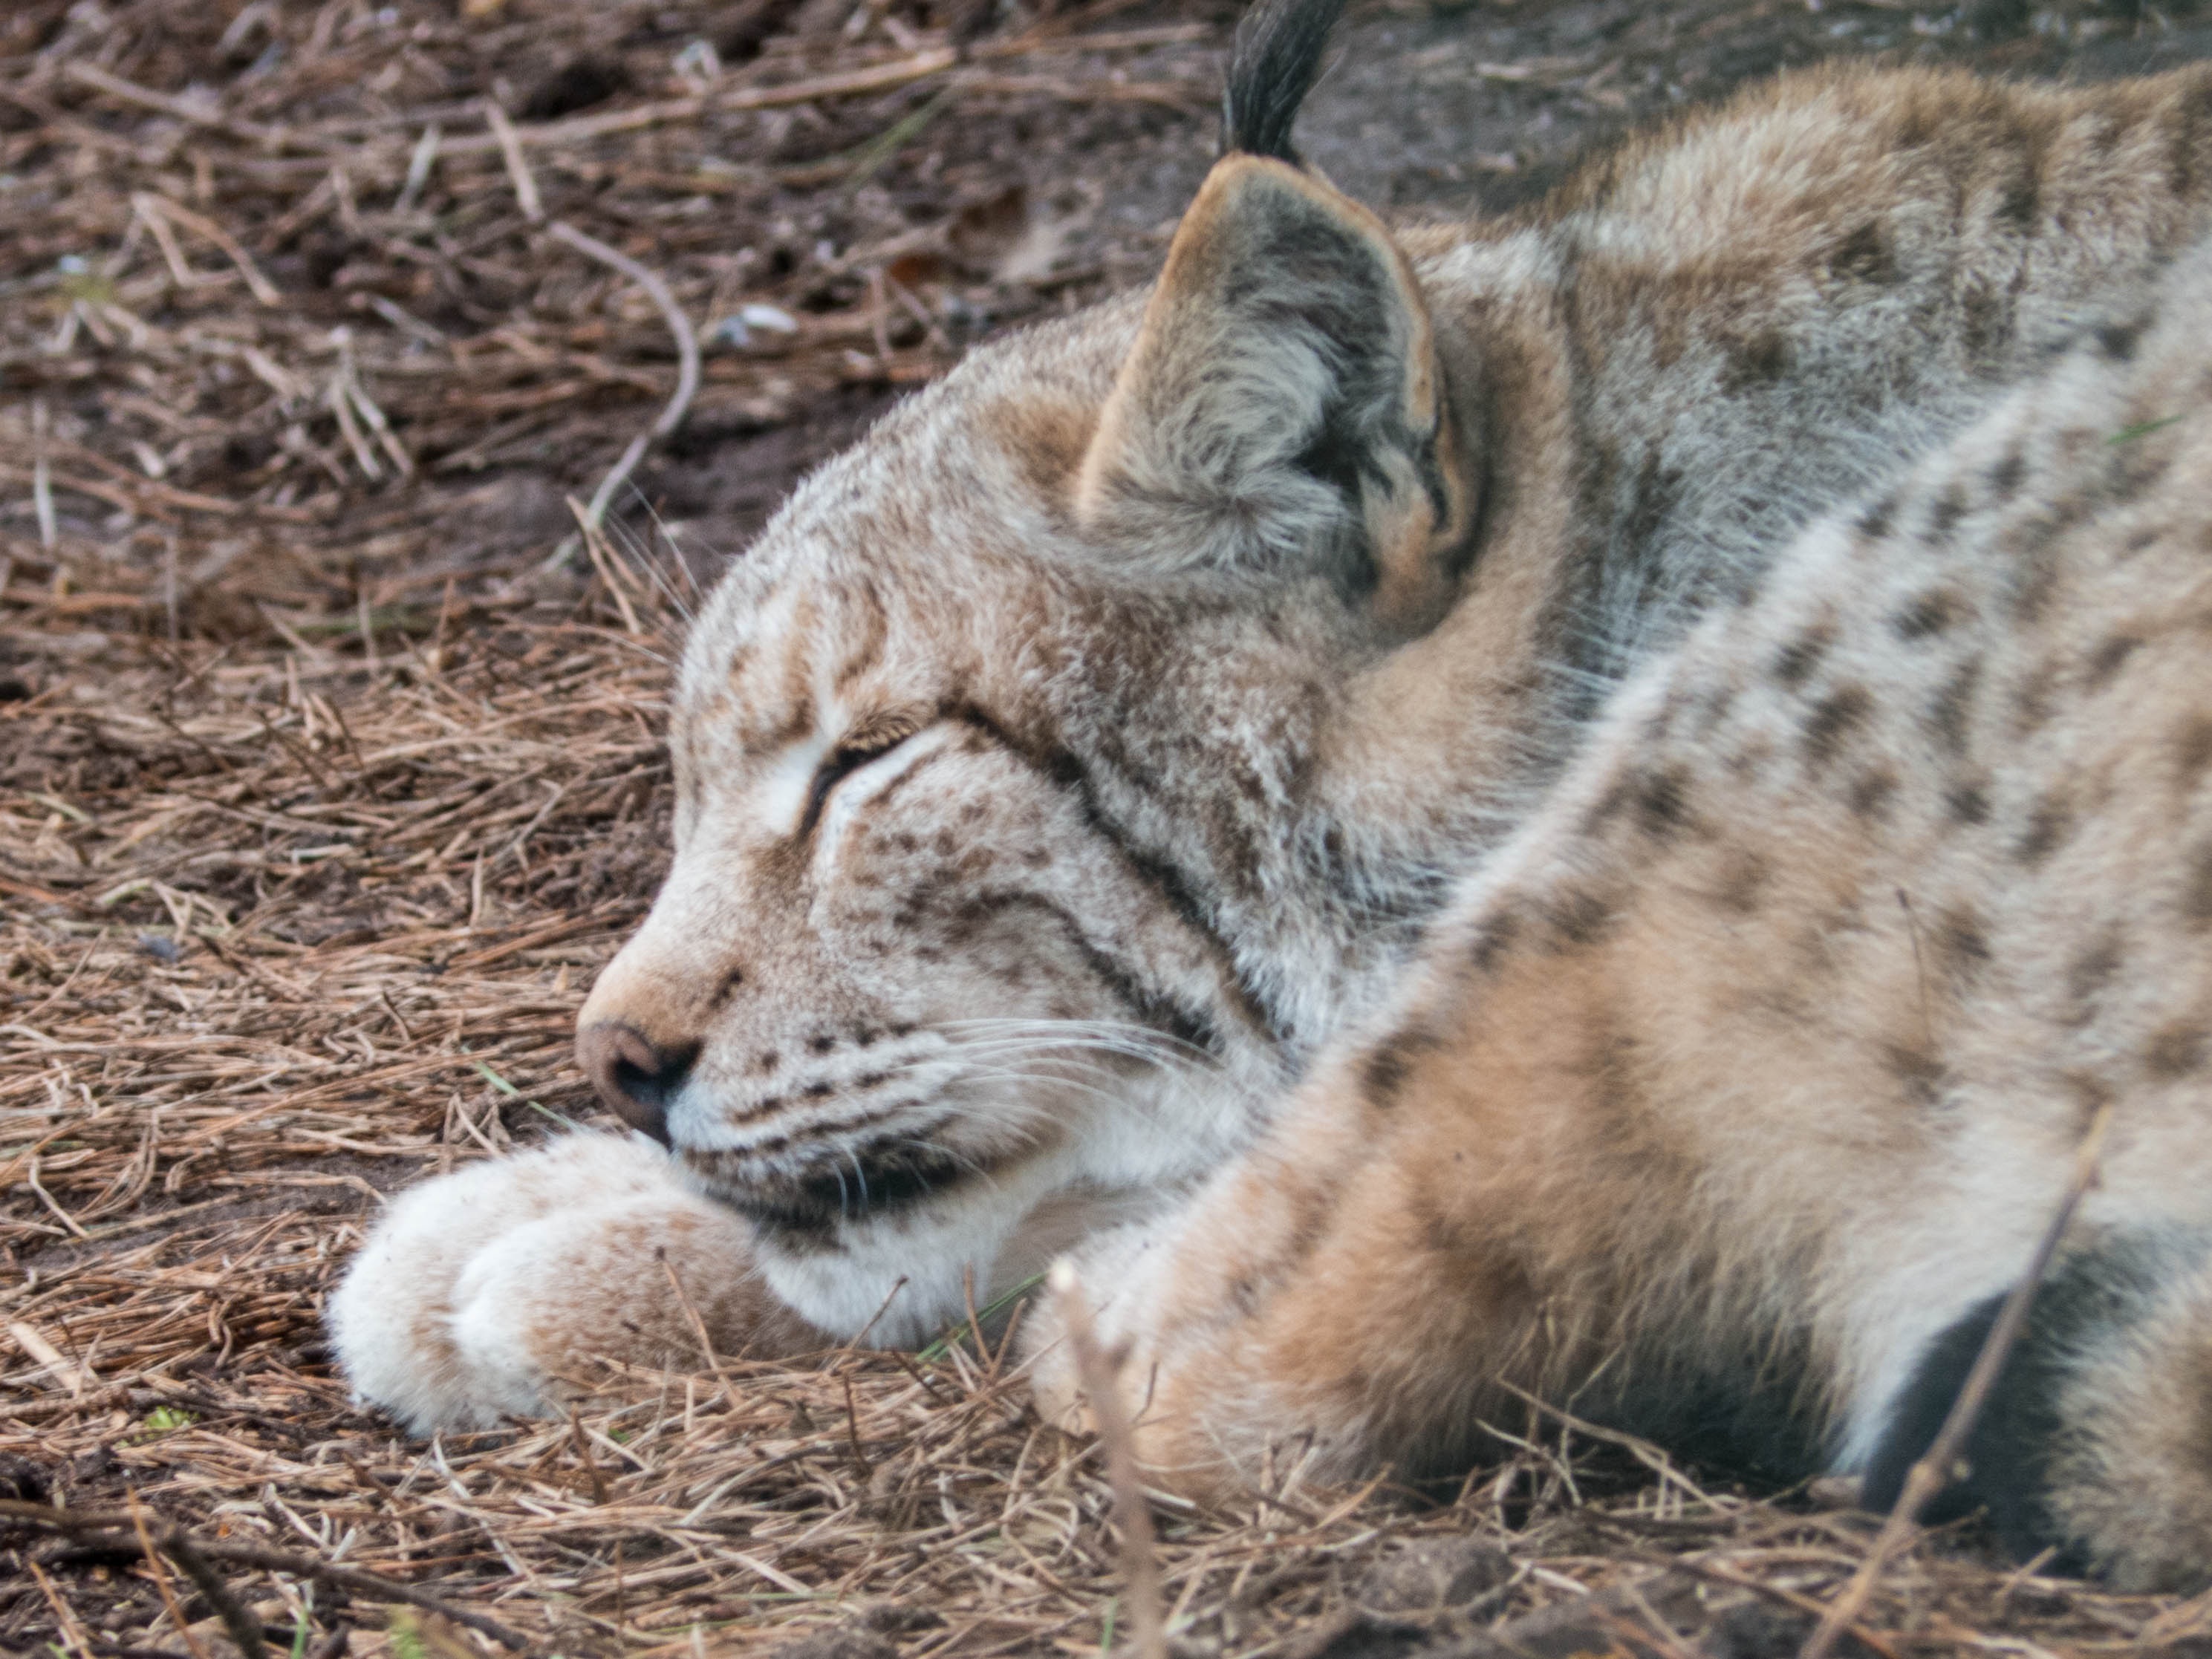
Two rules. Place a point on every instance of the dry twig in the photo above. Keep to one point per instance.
(1132, 1511)
(1932, 1472)
(195, 1555)
(687, 357)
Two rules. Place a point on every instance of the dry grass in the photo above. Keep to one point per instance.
(330, 772)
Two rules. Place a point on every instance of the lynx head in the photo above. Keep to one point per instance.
(1000, 758)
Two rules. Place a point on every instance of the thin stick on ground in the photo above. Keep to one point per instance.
(244, 1629)
(194, 1555)
(518, 165)
(1139, 1559)
(161, 1585)
(687, 358)
(691, 1313)
(1932, 1472)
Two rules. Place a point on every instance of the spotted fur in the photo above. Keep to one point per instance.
(1733, 1093)
(1074, 763)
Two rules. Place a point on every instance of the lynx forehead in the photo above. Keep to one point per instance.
(1173, 693)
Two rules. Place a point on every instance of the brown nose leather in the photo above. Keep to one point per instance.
(635, 1076)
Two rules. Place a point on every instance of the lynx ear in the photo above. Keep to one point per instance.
(1283, 411)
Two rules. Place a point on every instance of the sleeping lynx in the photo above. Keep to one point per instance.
(1680, 714)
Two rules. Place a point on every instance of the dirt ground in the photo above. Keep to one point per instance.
(330, 773)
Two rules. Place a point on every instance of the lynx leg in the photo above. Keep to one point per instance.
(494, 1290)
(1354, 1292)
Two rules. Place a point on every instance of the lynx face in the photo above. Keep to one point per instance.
(919, 964)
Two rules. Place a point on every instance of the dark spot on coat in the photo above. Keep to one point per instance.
(1660, 722)
(1658, 494)
(1943, 517)
(2175, 1050)
(1962, 945)
(727, 989)
(2193, 750)
(2088, 974)
(2005, 476)
(2019, 204)
(1967, 804)
(2110, 656)
(1046, 442)
(1833, 720)
(1865, 256)
(1874, 522)
(1741, 880)
(2196, 895)
(1383, 1074)
(1610, 1065)
(1492, 938)
(1918, 1070)
(2031, 709)
(1749, 761)
(1930, 613)
(1312, 1209)
(1662, 803)
(1795, 663)
(1580, 917)
(1987, 323)
(1951, 710)
(2048, 823)
(1871, 793)
(2116, 341)
(1759, 360)
(1713, 707)
(2035, 575)
(1608, 806)
(2186, 141)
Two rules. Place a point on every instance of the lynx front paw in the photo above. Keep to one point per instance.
(1116, 1304)
(496, 1290)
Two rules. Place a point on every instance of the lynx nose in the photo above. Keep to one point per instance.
(634, 1076)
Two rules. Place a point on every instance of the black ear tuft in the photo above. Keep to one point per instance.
(1272, 66)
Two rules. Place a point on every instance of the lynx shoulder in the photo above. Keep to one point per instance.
(1074, 763)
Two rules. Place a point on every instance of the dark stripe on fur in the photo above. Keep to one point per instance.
(1193, 1026)
(876, 1178)
(1274, 63)
(1067, 770)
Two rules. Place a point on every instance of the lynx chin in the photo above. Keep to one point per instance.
(1589, 802)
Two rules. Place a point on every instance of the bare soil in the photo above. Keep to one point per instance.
(330, 773)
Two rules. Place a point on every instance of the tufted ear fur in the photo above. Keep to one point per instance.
(1284, 411)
